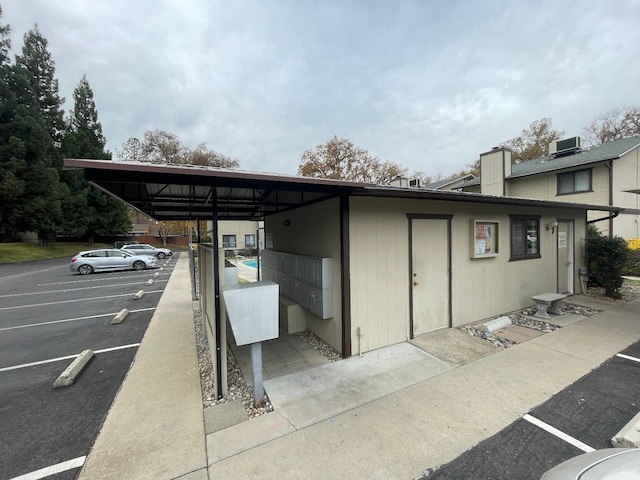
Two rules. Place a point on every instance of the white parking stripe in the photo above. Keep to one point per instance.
(627, 357)
(73, 319)
(101, 279)
(73, 289)
(76, 300)
(554, 431)
(68, 357)
(53, 469)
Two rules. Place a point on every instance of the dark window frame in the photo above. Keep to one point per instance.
(572, 174)
(252, 243)
(229, 244)
(519, 252)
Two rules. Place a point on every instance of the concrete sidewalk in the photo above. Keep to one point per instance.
(390, 414)
(155, 429)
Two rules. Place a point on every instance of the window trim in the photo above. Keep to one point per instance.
(523, 219)
(229, 245)
(573, 175)
(253, 239)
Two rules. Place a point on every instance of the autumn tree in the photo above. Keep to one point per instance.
(159, 146)
(533, 142)
(613, 125)
(340, 159)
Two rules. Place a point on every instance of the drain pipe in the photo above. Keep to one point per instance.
(609, 217)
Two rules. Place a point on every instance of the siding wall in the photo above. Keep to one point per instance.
(626, 175)
(481, 288)
(314, 231)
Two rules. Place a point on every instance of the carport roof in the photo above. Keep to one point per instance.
(174, 192)
(171, 192)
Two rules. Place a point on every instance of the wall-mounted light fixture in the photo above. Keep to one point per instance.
(552, 226)
(286, 223)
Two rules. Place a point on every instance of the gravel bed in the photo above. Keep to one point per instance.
(237, 388)
(629, 293)
(524, 318)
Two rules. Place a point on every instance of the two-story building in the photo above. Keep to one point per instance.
(607, 174)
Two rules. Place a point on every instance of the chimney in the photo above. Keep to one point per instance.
(495, 167)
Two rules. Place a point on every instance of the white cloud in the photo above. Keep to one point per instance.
(429, 85)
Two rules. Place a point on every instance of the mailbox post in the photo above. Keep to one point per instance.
(252, 309)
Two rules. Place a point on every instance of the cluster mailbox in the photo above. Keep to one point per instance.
(303, 279)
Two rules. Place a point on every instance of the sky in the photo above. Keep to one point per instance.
(428, 84)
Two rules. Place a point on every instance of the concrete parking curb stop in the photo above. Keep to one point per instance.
(70, 373)
(150, 281)
(629, 436)
(119, 318)
(139, 295)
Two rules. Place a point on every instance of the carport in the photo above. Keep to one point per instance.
(187, 192)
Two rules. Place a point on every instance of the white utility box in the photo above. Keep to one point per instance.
(252, 309)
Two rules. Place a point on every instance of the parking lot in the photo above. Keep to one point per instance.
(583, 416)
(47, 317)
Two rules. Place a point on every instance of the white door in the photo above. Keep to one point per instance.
(565, 257)
(430, 258)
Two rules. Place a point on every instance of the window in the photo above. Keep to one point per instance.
(574, 182)
(228, 241)
(249, 240)
(525, 236)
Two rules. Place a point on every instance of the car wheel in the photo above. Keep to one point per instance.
(85, 269)
(161, 255)
(139, 265)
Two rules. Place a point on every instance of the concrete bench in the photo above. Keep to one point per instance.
(548, 303)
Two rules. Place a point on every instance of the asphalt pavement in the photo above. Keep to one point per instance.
(155, 428)
(47, 317)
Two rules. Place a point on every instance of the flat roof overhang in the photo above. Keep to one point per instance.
(176, 192)
(171, 192)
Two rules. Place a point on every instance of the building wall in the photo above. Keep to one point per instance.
(237, 228)
(545, 187)
(481, 288)
(626, 175)
(314, 231)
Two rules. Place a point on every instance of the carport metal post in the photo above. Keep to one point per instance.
(216, 287)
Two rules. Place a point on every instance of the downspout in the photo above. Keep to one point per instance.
(609, 217)
(610, 167)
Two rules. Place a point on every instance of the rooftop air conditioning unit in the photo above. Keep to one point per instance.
(415, 182)
(567, 146)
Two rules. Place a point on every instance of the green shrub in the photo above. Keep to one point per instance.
(632, 267)
(606, 261)
(205, 239)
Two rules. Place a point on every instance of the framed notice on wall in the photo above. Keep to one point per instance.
(484, 238)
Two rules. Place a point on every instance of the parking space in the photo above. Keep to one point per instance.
(47, 317)
(583, 416)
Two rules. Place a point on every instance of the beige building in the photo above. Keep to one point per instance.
(237, 235)
(419, 262)
(366, 266)
(607, 174)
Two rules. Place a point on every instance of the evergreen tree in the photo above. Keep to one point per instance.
(83, 137)
(30, 190)
(5, 41)
(96, 213)
(37, 60)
